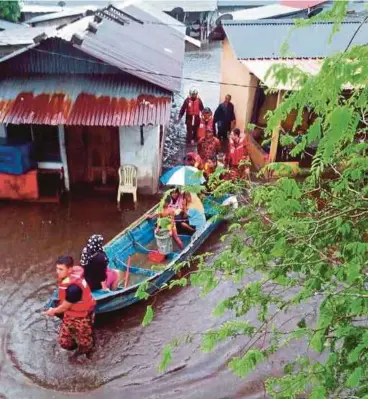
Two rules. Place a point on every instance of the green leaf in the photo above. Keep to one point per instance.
(142, 290)
(243, 366)
(178, 283)
(166, 358)
(354, 378)
(148, 317)
(318, 340)
(318, 393)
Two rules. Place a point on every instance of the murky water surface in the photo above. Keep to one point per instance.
(124, 364)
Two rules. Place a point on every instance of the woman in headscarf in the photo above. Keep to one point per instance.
(95, 262)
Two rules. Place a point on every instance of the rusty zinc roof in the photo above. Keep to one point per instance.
(87, 101)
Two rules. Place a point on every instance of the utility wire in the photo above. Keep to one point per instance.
(146, 72)
(185, 77)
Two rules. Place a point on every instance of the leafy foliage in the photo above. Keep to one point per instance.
(10, 10)
(307, 242)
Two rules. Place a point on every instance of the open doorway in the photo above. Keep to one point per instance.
(93, 155)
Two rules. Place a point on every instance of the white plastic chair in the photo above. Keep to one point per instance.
(128, 181)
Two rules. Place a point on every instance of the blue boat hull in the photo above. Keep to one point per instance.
(134, 240)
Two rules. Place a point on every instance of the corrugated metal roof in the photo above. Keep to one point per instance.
(87, 101)
(270, 11)
(6, 25)
(260, 69)
(186, 5)
(22, 36)
(151, 51)
(264, 38)
(25, 35)
(71, 12)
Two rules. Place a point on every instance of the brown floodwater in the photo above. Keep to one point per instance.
(124, 364)
(125, 361)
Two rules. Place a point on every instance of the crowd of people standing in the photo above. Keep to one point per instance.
(214, 135)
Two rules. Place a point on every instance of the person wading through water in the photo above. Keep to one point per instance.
(77, 306)
(225, 117)
(192, 107)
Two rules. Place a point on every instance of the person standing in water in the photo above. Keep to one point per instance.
(225, 117)
(192, 108)
(77, 306)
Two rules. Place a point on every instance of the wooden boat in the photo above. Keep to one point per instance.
(135, 242)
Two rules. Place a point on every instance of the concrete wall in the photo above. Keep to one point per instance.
(233, 71)
(146, 157)
(2, 130)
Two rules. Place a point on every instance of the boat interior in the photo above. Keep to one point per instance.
(131, 249)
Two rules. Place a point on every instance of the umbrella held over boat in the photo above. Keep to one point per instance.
(183, 176)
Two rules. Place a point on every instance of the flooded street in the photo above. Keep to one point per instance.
(125, 362)
(203, 64)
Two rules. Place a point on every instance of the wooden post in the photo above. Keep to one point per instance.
(63, 155)
(275, 134)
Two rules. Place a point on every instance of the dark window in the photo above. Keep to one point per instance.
(19, 133)
(45, 140)
(46, 143)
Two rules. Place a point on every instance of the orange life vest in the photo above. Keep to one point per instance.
(193, 108)
(237, 152)
(86, 305)
(205, 125)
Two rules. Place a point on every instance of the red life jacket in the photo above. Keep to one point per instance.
(86, 305)
(205, 125)
(193, 108)
(237, 152)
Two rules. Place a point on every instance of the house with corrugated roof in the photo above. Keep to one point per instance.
(94, 95)
(251, 48)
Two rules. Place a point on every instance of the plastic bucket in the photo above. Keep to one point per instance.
(164, 241)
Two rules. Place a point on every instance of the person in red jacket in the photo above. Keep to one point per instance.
(192, 107)
(209, 146)
(238, 154)
(77, 306)
(206, 123)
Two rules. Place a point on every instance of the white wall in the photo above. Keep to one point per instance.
(146, 157)
(2, 130)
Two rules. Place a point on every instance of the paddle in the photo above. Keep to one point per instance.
(127, 273)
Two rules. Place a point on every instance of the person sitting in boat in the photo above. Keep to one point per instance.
(176, 200)
(95, 262)
(238, 154)
(77, 306)
(193, 159)
(166, 221)
(194, 215)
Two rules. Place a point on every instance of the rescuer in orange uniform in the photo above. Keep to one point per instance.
(77, 306)
(238, 154)
(192, 107)
(206, 123)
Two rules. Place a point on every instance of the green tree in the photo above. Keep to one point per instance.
(307, 242)
(10, 10)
